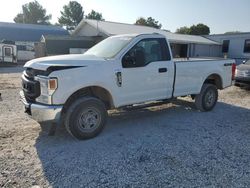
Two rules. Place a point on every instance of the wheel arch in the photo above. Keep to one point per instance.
(214, 79)
(95, 91)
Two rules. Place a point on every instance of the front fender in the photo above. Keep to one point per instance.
(70, 81)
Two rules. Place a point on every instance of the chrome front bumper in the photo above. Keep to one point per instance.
(41, 112)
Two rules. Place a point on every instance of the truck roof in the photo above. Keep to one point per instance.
(138, 34)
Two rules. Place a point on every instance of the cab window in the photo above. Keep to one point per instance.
(146, 51)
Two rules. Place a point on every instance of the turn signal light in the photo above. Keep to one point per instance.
(52, 84)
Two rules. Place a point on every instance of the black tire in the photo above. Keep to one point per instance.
(207, 99)
(85, 118)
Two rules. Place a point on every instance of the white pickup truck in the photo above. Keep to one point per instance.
(77, 90)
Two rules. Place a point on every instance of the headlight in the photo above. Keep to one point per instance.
(47, 86)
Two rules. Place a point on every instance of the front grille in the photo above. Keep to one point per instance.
(31, 87)
(242, 73)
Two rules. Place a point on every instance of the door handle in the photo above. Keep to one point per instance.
(161, 70)
(118, 75)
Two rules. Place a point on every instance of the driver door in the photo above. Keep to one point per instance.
(147, 72)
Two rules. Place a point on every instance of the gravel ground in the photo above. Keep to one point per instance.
(170, 145)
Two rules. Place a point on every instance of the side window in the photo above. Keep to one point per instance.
(21, 47)
(225, 46)
(247, 46)
(25, 48)
(146, 51)
(30, 48)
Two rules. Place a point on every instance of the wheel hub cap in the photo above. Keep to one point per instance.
(89, 119)
(210, 98)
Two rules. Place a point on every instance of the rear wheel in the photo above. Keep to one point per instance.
(86, 118)
(207, 99)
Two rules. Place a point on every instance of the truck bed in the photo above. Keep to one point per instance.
(190, 76)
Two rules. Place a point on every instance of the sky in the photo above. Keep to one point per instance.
(220, 15)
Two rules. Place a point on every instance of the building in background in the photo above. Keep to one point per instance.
(57, 45)
(44, 40)
(26, 35)
(235, 45)
(181, 45)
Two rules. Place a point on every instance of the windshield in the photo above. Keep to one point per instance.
(109, 47)
(248, 62)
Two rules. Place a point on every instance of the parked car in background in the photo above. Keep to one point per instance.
(242, 76)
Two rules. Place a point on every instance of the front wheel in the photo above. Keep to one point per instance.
(86, 118)
(207, 99)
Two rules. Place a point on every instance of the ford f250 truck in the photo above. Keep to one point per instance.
(77, 90)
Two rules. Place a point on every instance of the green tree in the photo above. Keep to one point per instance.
(71, 15)
(183, 30)
(151, 22)
(141, 21)
(199, 29)
(95, 15)
(33, 13)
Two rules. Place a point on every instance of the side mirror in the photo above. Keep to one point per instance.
(135, 60)
(128, 61)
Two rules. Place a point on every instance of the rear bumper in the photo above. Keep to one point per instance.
(242, 81)
(42, 112)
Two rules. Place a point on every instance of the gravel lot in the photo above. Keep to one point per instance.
(170, 145)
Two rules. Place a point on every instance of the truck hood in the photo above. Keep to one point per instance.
(243, 67)
(77, 60)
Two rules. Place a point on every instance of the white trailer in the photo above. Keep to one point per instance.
(8, 53)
